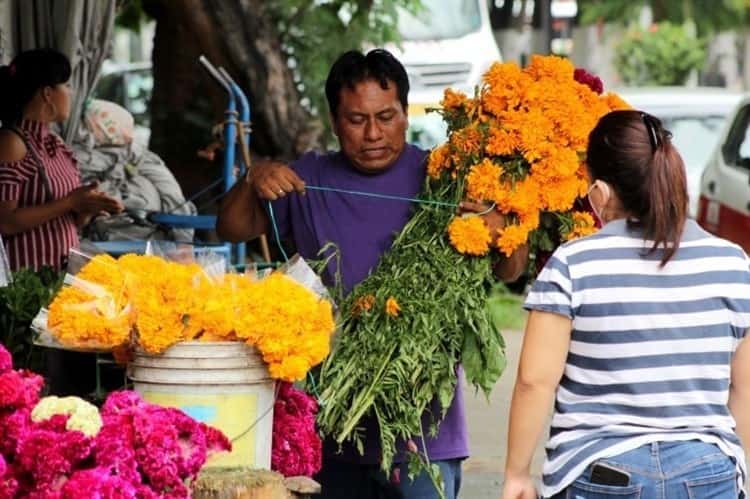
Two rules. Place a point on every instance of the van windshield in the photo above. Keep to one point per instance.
(440, 20)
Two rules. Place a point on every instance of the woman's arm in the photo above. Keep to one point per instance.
(739, 392)
(545, 349)
(14, 220)
(83, 200)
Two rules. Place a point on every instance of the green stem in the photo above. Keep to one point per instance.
(357, 414)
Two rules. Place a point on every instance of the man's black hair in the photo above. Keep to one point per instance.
(354, 67)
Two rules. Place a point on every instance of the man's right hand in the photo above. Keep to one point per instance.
(272, 180)
(87, 200)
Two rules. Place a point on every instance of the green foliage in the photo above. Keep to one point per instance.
(20, 301)
(314, 33)
(663, 55)
(708, 16)
(130, 15)
(393, 368)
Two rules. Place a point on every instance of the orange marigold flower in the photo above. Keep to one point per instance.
(470, 235)
(453, 100)
(439, 161)
(482, 182)
(392, 308)
(363, 304)
(583, 225)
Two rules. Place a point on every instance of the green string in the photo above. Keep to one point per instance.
(381, 196)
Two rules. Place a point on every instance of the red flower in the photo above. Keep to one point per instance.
(296, 448)
(593, 82)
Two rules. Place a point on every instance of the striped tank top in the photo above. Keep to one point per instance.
(47, 244)
(650, 349)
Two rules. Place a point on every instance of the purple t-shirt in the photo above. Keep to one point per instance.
(363, 228)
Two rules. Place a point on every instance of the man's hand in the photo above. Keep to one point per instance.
(272, 180)
(518, 487)
(495, 220)
(508, 269)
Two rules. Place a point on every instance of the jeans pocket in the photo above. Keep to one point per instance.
(583, 489)
(719, 486)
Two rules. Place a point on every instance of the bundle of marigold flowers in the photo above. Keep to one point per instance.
(424, 310)
(156, 303)
(519, 145)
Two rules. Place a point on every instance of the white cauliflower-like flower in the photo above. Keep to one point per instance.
(84, 417)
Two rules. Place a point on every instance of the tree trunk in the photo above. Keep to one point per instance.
(186, 102)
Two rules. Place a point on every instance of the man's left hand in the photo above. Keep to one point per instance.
(507, 269)
(495, 220)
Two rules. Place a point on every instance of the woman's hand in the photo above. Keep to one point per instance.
(272, 180)
(87, 200)
(518, 487)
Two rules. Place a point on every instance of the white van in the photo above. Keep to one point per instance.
(449, 43)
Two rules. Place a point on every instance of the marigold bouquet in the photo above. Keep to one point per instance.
(519, 144)
(155, 303)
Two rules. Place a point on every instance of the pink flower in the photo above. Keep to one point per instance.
(296, 447)
(6, 361)
(98, 483)
(19, 389)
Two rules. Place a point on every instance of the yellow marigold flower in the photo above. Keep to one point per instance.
(583, 225)
(470, 235)
(392, 307)
(84, 417)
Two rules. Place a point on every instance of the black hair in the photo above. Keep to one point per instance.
(25, 75)
(632, 151)
(354, 67)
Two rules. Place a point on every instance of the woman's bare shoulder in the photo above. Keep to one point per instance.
(12, 147)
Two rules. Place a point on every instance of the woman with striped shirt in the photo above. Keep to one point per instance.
(41, 200)
(637, 332)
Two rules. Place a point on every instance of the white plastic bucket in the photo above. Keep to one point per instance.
(223, 384)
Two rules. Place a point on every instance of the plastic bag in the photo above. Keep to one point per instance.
(91, 312)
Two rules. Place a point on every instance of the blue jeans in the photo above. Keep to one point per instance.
(664, 470)
(421, 487)
(343, 480)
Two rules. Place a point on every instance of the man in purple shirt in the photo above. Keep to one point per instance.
(367, 99)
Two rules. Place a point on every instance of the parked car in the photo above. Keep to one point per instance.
(725, 187)
(695, 116)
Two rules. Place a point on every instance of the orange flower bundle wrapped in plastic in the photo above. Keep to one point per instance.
(157, 303)
(520, 144)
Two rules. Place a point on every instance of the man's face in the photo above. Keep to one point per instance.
(371, 125)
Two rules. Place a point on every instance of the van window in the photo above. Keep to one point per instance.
(440, 20)
(736, 149)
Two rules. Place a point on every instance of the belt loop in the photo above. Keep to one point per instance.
(654, 448)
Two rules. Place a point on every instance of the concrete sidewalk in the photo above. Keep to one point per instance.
(488, 430)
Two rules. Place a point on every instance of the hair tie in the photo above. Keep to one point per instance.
(653, 137)
(12, 69)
